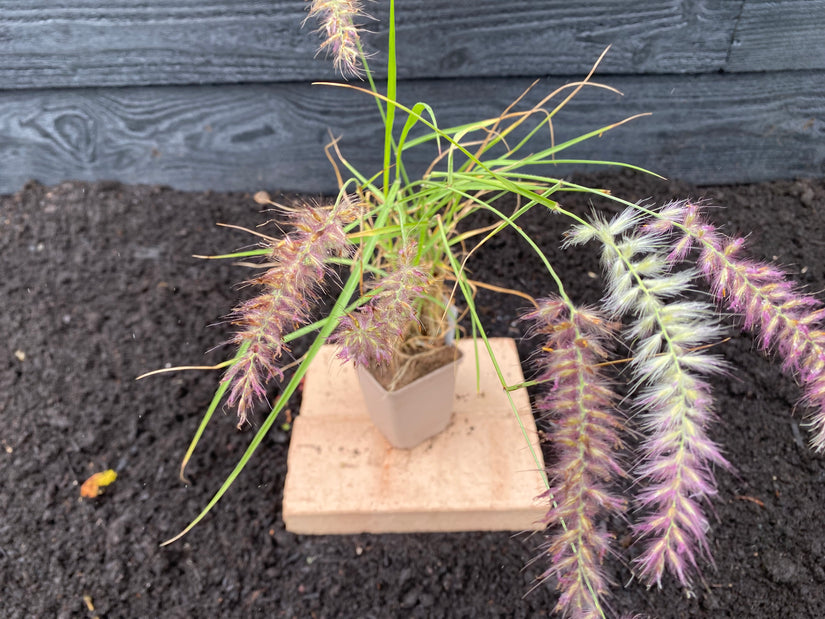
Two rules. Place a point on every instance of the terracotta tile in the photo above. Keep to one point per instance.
(343, 477)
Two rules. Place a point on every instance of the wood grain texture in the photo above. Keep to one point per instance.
(122, 42)
(558, 37)
(774, 36)
(705, 128)
(164, 42)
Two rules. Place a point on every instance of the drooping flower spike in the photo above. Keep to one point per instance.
(297, 267)
(665, 334)
(585, 437)
(783, 318)
(370, 334)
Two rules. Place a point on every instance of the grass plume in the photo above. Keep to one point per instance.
(296, 267)
(339, 29)
(666, 335)
(581, 404)
(771, 306)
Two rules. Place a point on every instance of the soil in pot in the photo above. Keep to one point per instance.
(406, 368)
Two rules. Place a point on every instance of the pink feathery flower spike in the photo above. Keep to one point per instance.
(666, 335)
(784, 319)
(370, 334)
(340, 33)
(586, 438)
(297, 267)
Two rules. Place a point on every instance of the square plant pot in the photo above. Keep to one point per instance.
(410, 415)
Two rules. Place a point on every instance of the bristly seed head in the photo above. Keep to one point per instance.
(297, 266)
(338, 19)
(771, 305)
(371, 333)
(667, 335)
(586, 439)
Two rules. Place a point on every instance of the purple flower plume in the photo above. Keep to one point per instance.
(363, 338)
(666, 335)
(370, 333)
(785, 319)
(585, 437)
(340, 32)
(297, 266)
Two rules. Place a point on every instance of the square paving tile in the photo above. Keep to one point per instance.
(479, 474)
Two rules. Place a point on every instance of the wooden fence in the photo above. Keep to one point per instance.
(217, 94)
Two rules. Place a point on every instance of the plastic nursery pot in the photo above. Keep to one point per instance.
(410, 415)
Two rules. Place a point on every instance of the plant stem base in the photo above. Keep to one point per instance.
(477, 475)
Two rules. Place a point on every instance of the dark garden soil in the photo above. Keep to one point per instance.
(98, 285)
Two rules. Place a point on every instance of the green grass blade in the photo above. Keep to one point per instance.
(213, 405)
(240, 254)
(292, 385)
(411, 121)
(392, 76)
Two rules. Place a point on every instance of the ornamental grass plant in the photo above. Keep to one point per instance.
(625, 385)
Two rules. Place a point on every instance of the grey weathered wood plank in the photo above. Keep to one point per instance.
(772, 36)
(705, 128)
(122, 42)
(159, 42)
(559, 37)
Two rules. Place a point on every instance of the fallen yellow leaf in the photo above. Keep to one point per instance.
(91, 487)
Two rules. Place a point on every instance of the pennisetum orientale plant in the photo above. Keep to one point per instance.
(395, 248)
